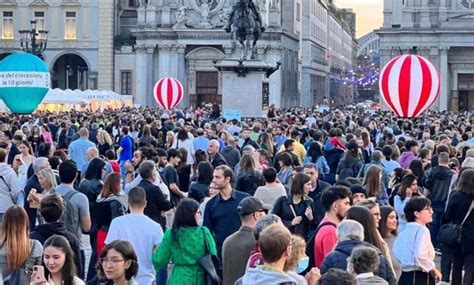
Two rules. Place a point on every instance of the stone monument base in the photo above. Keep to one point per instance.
(245, 85)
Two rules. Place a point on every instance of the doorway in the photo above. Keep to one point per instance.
(466, 92)
(70, 72)
(207, 87)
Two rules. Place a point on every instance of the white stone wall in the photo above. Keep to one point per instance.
(106, 44)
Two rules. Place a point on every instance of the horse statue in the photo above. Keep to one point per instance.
(246, 23)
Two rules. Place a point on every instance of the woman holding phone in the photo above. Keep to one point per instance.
(59, 267)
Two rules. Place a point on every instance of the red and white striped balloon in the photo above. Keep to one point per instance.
(168, 92)
(409, 85)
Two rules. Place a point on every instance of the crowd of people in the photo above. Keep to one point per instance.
(142, 196)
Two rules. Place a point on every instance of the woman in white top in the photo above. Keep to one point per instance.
(413, 247)
(407, 189)
(58, 259)
(23, 161)
(183, 140)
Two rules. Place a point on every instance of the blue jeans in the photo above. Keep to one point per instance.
(438, 211)
(162, 277)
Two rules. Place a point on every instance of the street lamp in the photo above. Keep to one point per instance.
(33, 41)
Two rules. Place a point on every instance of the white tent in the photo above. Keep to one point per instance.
(58, 96)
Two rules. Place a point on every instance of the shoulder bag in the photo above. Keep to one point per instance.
(451, 234)
(209, 263)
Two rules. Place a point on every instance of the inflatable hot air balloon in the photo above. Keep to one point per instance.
(168, 93)
(409, 84)
(24, 81)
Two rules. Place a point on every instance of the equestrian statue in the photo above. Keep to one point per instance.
(246, 23)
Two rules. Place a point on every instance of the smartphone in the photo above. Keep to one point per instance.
(39, 273)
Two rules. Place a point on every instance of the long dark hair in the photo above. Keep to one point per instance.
(416, 167)
(315, 151)
(407, 180)
(68, 271)
(385, 211)
(205, 172)
(184, 216)
(94, 170)
(365, 217)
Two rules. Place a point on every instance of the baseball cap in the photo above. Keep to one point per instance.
(250, 205)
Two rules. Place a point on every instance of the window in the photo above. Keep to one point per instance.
(7, 31)
(298, 11)
(70, 27)
(126, 83)
(39, 17)
(133, 3)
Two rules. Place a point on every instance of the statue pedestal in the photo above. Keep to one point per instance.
(245, 86)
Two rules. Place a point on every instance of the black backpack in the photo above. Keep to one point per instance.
(310, 247)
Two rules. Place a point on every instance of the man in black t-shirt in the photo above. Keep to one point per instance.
(170, 176)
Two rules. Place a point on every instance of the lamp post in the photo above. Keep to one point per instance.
(34, 41)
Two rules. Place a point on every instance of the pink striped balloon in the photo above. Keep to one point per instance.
(409, 84)
(168, 92)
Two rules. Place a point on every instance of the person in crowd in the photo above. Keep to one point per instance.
(272, 190)
(51, 210)
(376, 160)
(388, 163)
(59, 266)
(410, 154)
(77, 215)
(230, 153)
(336, 201)
(375, 188)
(215, 157)
(417, 169)
(184, 245)
(170, 176)
(93, 183)
(359, 193)
(319, 186)
(146, 139)
(18, 253)
(297, 210)
(237, 247)
(256, 258)
(78, 148)
(22, 162)
(337, 277)
(118, 262)
(33, 183)
(315, 155)
(413, 246)
(140, 231)
(221, 215)
(297, 263)
(275, 245)
(350, 164)
(438, 181)
(199, 189)
(35, 138)
(388, 230)
(350, 235)
(458, 211)
(370, 222)
(200, 140)
(125, 150)
(10, 190)
(248, 178)
(289, 147)
(407, 189)
(156, 201)
(362, 263)
(247, 140)
(183, 140)
(285, 164)
(104, 142)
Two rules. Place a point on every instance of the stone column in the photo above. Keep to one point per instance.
(105, 60)
(444, 74)
(141, 76)
(182, 73)
(150, 82)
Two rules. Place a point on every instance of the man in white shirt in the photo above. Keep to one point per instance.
(144, 234)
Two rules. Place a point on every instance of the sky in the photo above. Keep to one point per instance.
(369, 14)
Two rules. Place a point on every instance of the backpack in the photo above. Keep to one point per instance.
(310, 247)
(70, 216)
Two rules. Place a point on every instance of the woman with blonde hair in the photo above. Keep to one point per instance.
(298, 261)
(375, 188)
(18, 254)
(104, 140)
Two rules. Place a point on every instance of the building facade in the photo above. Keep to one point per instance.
(327, 48)
(443, 32)
(181, 38)
(72, 53)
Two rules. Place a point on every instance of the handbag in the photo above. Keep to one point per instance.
(450, 234)
(209, 263)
